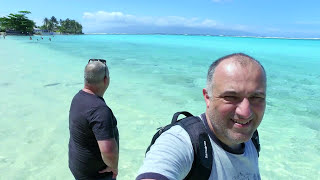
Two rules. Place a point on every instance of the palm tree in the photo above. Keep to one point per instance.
(50, 26)
(54, 22)
(46, 23)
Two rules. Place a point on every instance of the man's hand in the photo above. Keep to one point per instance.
(109, 169)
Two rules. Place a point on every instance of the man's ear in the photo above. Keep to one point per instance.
(106, 80)
(206, 97)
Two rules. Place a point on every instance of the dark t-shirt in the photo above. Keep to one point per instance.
(90, 120)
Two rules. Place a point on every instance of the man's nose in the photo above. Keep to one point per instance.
(243, 110)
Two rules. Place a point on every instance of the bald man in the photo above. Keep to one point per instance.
(94, 137)
(235, 104)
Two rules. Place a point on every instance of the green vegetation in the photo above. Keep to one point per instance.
(67, 26)
(70, 26)
(17, 22)
(20, 24)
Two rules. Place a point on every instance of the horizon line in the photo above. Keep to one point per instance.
(260, 37)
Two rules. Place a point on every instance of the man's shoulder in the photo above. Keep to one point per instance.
(176, 131)
(89, 100)
(181, 130)
(176, 138)
(171, 155)
(102, 105)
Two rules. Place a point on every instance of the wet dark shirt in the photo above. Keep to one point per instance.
(90, 120)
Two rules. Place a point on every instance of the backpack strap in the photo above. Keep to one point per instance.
(203, 154)
(176, 115)
(255, 141)
(202, 163)
(165, 128)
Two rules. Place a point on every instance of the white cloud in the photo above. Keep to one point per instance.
(119, 19)
(119, 22)
(102, 16)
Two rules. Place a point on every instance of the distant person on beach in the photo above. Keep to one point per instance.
(221, 143)
(94, 137)
(30, 38)
(49, 39)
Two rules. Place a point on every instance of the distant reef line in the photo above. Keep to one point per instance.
(261, 37)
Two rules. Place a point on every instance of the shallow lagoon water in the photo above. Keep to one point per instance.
(152, 77)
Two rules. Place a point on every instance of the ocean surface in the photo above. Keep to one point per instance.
(152, 77)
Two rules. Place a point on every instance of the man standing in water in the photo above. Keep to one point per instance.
(235, 104)
(94, 137)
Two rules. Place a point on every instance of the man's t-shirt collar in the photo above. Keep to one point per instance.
(217, 141)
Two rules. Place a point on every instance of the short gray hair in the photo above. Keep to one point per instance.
(242, 58)
(95, 71)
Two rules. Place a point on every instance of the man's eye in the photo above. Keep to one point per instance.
(230, 98)
(257, 98)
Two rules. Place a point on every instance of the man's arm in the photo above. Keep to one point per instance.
(110, 154)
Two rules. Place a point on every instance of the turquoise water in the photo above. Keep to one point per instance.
(152, 77)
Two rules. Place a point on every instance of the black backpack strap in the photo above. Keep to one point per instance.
(165, 128)
(203, 157)
(176, 115)
(255, 141)
(157, 134)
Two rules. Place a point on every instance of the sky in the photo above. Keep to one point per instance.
(277, 18)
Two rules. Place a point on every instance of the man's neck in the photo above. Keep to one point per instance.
(92, 90)
(87, 91)
(232, 147)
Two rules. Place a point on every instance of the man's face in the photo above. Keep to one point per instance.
(237, 103)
